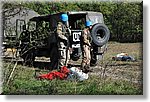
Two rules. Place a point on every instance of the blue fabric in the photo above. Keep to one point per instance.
(129, 58)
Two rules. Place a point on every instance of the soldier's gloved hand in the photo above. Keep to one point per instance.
(70, 50)
(65, 39)
(89, 44)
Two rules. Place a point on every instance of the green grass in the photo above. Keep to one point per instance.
(23, 81)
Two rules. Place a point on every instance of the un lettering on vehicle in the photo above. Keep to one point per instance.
(76, 36)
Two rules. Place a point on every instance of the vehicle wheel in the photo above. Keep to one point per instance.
(29, 58)
(100, 34)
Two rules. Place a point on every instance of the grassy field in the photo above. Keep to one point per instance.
(109, 77)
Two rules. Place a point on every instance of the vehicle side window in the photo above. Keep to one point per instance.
(96, 19)
(32, 26)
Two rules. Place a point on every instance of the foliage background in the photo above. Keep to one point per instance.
(124, 19)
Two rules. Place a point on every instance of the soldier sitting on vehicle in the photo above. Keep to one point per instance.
(86, 46)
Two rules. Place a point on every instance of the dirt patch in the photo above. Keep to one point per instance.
(121, 70)
(107, 68)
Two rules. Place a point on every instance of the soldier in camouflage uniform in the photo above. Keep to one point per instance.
(86, 47)
(63, 50)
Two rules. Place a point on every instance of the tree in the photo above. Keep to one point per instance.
(124, 19)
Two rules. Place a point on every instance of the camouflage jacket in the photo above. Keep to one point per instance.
(86, 37)
(61, 31)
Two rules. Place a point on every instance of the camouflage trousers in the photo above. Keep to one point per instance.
(64, 55)
(85, 65)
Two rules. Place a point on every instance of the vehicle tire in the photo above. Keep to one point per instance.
(100, 34)
(28, 58)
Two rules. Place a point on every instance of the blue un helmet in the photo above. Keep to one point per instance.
(64, 17)
(88, 23)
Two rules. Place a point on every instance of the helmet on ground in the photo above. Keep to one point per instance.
(64, 17)
(88, 23)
